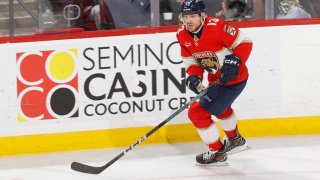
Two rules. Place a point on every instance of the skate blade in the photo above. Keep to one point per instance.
(217, 164)
(239, 149)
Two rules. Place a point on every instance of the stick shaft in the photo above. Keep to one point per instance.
(96, 170)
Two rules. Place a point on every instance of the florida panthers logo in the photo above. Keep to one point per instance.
(208, 60)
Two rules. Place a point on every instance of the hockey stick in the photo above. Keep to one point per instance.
(97, 170)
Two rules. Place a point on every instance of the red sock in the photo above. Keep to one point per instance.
(232, 133)
(215, 146)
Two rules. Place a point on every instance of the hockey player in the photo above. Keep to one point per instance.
(212, 45)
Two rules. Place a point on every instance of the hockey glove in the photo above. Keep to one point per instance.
(193, 82)
(229, 70)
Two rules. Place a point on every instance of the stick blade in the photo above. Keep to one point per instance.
(86, 168)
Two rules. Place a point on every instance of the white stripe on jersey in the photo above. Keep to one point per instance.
(221, 55)
(242, 37)
(188, 61)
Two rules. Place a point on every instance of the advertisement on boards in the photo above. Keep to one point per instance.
(124, 80)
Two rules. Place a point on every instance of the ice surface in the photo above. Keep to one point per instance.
(289, 157)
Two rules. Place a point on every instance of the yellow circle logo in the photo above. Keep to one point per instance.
(61, 66)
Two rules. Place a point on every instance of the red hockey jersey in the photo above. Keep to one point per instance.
(217, 40)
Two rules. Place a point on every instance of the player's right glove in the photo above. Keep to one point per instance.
(193, 82)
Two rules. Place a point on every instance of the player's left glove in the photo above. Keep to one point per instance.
(229, 70)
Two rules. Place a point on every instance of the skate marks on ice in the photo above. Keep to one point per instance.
(291, 157)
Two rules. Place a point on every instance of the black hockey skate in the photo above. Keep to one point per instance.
(218, 158)
(236, 144)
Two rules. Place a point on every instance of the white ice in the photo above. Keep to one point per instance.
(289, 157)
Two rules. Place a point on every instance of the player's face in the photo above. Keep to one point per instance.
(192, 21)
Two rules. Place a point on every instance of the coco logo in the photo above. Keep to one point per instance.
(47, 85)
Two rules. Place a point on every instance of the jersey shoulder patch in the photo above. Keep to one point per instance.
(229, 29)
